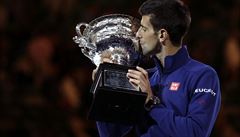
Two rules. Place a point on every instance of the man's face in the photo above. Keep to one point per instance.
(148, 37)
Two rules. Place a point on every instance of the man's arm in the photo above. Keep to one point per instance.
(202, 112)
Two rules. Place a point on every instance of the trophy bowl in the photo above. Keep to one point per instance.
(110, 36)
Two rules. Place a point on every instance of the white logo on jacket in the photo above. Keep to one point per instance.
(174, 86)
(200, 90)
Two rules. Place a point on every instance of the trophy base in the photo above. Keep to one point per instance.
(114, 98)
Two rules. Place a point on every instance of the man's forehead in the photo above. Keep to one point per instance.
(145, 22)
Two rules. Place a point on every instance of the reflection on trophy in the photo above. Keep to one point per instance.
(112, 37)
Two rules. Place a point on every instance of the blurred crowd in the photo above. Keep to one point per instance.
(45, 79)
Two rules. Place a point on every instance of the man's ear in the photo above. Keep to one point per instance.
(162, 35)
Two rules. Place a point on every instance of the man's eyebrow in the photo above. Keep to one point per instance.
(143, 26)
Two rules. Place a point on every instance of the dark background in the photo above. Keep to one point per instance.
(45, 79)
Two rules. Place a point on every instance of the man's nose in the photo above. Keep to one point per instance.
(138, 34)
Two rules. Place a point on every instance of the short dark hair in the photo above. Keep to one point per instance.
(171, 15)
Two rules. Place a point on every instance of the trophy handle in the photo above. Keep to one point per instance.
(78, 28)
(80, 38)
(87, 48)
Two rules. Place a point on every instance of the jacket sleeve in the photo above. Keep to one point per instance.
(203, 108)
(106, 129)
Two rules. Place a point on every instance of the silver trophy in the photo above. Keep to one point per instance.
(112, 37)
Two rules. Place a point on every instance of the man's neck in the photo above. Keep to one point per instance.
(167, 50)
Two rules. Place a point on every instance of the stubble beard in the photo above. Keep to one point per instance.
(156, 50)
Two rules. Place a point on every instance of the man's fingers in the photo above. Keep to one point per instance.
(133, 75)
(136, 74)
(134, 81)
(94, 73)
(108, 60)
(143, 71)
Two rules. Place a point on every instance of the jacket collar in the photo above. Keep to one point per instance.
(173, 62)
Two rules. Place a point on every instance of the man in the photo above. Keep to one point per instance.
(183, 94)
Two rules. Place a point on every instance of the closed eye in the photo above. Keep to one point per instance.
(143, 28)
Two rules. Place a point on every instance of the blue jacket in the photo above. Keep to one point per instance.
(190, 101)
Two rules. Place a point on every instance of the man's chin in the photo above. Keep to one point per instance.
(146, 53)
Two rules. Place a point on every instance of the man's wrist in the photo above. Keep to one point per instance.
(151, 102)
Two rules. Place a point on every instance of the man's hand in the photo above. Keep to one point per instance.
(94, 73)
(105, 57)
(139, 79)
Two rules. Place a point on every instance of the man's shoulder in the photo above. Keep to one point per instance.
(198, 67)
